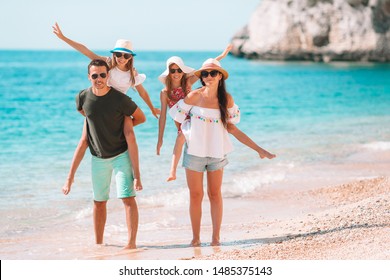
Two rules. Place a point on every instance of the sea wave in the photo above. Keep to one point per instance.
(250, 181)
(377, 146)
(165, 198)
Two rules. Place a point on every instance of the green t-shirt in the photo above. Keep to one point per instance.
(105, 119)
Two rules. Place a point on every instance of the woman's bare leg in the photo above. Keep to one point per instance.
(214, 185)
(195, 186)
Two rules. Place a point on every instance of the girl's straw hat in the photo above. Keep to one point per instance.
(212, 64)
(123, 46)
(179, 62)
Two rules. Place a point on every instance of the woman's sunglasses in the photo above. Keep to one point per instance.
(212, 73)
(173, 71)
(95, 76)
(125, 55)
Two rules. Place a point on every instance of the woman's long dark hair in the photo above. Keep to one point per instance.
(222, 100)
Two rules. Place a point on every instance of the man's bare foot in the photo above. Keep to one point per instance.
(195, 243)
(215, 243)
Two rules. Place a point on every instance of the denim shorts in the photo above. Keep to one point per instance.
(102, 169)
(201, 164)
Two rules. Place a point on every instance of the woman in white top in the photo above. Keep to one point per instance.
(122, 76)
(205, 115)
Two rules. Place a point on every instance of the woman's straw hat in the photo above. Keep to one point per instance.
(212, 64)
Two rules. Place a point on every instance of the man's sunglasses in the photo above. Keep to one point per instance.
(212, 73)
(125, 55)
(95, 76)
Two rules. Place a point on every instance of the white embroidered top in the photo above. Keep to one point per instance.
(120, 80)
(204, 132)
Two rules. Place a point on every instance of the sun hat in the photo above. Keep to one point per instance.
(179, 62)
(212, 64)
(123, 46)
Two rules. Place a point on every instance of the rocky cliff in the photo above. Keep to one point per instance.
(317, 30)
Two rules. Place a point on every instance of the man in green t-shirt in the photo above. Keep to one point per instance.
(112, 149)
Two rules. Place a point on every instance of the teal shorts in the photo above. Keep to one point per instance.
(102, 169)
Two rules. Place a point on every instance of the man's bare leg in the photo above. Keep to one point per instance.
(99, 219)
(131, 210)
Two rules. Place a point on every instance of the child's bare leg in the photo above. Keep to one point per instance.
(180, 139)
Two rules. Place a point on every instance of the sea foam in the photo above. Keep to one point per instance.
(377, 146)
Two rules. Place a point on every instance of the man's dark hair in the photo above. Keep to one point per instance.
(98, 63)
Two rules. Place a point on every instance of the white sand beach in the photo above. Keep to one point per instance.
(348, 222)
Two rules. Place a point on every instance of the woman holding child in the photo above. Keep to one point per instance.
(211, 110)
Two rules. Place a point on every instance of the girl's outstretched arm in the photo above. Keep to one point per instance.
(225, 52)
(162, 120)
(145, 96)
(77, 46)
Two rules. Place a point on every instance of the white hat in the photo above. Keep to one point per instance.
(179, 62)
(123, 46)
(212, 64)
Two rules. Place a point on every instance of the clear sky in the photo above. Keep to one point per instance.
(149, 24)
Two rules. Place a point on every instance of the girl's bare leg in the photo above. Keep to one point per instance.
(177, 150)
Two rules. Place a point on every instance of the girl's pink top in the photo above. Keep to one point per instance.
(176, 95)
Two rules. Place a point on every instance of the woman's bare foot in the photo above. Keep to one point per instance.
(195, 243)
(130, 246)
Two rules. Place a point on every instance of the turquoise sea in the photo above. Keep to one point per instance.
(327, 123)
